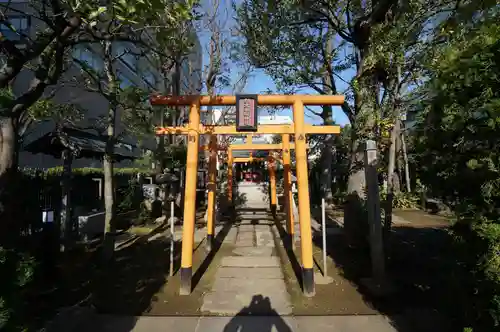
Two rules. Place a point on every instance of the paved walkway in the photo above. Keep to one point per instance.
(250, 281)
(241, 324)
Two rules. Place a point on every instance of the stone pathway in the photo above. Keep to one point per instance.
(251, 280)
(237, 324)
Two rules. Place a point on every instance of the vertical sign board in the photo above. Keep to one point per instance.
(246, 113)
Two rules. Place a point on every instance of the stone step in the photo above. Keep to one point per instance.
(240, 261)
(244, 243)
(253, 251)
(245, 235)
(245, 285)
(245, 228)
(250, 272)
(263, 227)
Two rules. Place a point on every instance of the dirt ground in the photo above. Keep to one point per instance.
(417, 256)
(138, 282)
(147, 289)
(127, 286)
(419, 218)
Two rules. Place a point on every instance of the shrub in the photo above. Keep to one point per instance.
(459, 131)
(401, 199)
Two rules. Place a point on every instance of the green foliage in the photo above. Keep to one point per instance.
(175, 156)
(401, 199)
(293, 55)
(17, 269)
(457, 149)
(130, 12)
(131, 196)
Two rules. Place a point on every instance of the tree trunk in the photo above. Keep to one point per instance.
(8, 170)
(327, 160)
(390, 180)
(327, 116)
(405, 157)
(399, 165)
(109, 201)
(109, 185)
(355, 218)
(66, 225)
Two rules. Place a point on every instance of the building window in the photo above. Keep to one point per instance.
(125, 82)
(84, 54)
(149, 78)
(123, 51)
(21, 25)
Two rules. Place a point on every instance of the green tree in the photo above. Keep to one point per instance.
(383, 41)
(159, 24)
(457, 152)
(295, 55)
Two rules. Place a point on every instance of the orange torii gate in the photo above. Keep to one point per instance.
(246, 115)
(285, 146)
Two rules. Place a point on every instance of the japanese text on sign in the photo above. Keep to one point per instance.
(247, 107)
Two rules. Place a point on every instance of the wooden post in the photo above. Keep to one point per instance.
(373, 207)
(190, 201)
(66, 225)
(172, 237)
(304, 204)
(212, 175)
(230, 177)
(287, 179)
(323, 228)
(272, 183)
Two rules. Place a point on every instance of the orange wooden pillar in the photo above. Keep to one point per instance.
(304, 204)
(287, 179)
(212, 190)
(230, 176)
(272, 182)
(188, 226)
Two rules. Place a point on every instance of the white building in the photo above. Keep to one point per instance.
(272, 120)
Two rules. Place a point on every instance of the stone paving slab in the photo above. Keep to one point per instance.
(245, 323)
(253, 251)
(231, 236)
(246, 228)
(263, 227)
(244, 243)
(108, 323)
(254, 217)
(269, 323)
(372, 323)
(267, 233)
(245, 235)
(266, 287)
(250, 273)
(234, 302)
(239, 261)
(264, 239)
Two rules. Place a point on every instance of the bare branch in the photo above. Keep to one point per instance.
(309, 109)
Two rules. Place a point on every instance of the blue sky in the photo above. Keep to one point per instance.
(259, 81)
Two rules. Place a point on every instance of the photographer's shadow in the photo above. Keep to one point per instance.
(258, 316)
